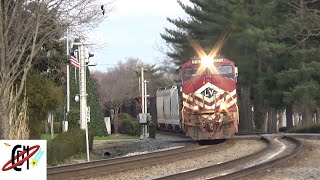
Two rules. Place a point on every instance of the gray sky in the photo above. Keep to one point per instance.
(133, 30)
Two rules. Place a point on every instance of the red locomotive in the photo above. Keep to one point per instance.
(205, 105)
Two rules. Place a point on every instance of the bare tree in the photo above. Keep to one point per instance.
(305, 16)
(24, 27)
(121, 84)
(117, 86)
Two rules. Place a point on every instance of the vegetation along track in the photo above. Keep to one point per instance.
(220, 169)
(103, 167)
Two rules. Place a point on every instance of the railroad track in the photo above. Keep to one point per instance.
(104, 167)
(224, 170)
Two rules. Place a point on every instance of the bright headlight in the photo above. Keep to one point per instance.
(206, 61)
(223, 106)
(195, 108)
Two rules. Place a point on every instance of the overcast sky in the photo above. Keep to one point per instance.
(133, 29)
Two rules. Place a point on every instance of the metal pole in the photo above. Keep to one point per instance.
(142, 91)
(87, 142)
(68, 89)
(51, 124)
(64, 123)
(68, 80)
(145, 108)
(83, 95)
(142, 104)
(75, 69)
(145, 97)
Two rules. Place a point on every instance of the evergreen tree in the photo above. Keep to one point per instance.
(44, 86)
(208, 21)
(96, 124)
(297, 80)
(44, 96)
(211, 23)
(267, 40)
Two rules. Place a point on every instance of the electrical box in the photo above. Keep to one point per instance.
(142, 118)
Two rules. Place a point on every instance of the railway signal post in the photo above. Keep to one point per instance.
(143, 115)
(83, 94)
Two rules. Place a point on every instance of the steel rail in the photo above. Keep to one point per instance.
(107, 166)
(217, 167)
(266, 165)
(230, 164)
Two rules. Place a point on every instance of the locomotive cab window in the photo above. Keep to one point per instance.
(225, 69)
(188, 73)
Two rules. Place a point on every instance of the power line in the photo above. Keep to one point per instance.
(107, 64)
(103, 64)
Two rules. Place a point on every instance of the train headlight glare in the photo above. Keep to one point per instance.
(206, 61)
(196, 108)
(223, 106)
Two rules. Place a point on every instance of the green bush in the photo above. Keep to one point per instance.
(57, 127)
(152, 130)
(283, 129)
(124, 116)
(136, 128)
(36, 130)
(66, 145)
(306, 129)
(129, 125)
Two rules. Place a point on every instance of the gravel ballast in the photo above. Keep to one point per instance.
(304, 166)
(239, 149)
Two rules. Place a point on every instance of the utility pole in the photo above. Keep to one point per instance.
(68, 89)
(144, 106)
(145, 97)
(146, 109)
(83, 92)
